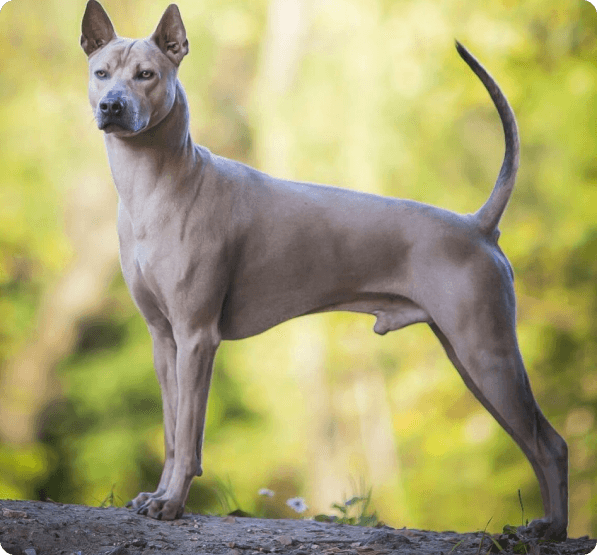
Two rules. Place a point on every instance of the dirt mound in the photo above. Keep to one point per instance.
(40, 528)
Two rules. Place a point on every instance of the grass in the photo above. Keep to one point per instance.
(108, 501)
(355, 511)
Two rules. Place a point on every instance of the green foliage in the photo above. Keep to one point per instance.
(110, 499)
(355, 511)
(455, 546)
(226, 497)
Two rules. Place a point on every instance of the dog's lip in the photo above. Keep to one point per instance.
(111, 127)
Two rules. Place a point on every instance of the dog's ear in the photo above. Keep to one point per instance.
(170, 35)
(96, 29)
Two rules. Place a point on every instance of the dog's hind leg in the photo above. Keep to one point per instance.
(492, 368)
(164, 357)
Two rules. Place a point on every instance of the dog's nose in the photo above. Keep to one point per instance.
(112, 107)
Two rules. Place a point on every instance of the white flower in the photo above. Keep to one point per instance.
(266, 492)
(297, 504)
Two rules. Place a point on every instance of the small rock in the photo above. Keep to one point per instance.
(30, 551)
(229, 520)
(393, 540)
(120, 550)
(285, 540)
(9, 513)
(139, 543)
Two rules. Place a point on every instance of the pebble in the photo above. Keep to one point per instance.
(285, 540)
(30, 551)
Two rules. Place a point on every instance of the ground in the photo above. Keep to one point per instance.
(48, 528)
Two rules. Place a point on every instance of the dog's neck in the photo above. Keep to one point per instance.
(152, 165)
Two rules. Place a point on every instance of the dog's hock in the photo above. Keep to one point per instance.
(171, 36)
(97, 29)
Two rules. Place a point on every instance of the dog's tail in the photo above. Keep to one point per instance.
(488, 216)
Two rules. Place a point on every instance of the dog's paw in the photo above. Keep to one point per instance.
(162, 509)
(142, 499)
(545, 529)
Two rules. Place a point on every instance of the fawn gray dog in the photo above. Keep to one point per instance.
(212, 249)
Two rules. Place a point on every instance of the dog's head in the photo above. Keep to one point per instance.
(132, 83)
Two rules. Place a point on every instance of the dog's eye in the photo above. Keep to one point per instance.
(146, 74)
(101, 74)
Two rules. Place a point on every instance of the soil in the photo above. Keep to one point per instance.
(48, 528)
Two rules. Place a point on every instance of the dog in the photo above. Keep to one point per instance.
(214, 250)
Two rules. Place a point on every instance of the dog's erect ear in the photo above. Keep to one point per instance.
(96, 29)
(170, 35)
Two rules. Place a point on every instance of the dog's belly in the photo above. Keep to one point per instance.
(392, 312)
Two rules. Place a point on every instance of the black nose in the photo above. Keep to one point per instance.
(112, 107)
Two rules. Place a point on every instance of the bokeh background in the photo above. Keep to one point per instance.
(368, 94)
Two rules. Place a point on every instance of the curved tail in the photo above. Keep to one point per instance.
(488, 216)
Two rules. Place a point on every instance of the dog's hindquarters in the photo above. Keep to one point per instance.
(479, 336)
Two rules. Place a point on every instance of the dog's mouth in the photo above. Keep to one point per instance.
(126, 122)
(111, 127)
(120, 127)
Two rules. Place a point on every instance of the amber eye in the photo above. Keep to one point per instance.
(101, 74)
(146, 74)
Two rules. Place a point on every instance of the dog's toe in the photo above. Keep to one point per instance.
(144, 508)
(141, 500)
(163, 509)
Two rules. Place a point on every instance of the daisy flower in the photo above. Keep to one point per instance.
(297, 504)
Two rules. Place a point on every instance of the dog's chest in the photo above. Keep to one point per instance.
(154, 268)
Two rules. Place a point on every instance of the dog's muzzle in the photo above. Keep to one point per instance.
(114, 112)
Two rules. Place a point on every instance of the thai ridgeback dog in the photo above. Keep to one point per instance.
(212, 249)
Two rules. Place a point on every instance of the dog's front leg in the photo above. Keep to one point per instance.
(164, 359)
(194, 363)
